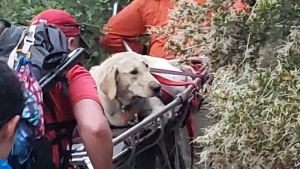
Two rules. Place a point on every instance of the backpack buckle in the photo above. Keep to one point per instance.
(29, 39)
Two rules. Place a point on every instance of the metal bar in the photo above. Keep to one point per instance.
(178, 100)
(127, 46)
(88, 163)
(161, 134)
(176, 134)
(116, 157)
(147, 120)
(115, 8)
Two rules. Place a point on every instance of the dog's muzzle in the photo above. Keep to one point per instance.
(155, 87)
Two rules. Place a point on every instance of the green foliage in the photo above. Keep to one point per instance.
(254, 96)
(94, 13)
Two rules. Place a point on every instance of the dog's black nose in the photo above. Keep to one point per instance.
(155, 87)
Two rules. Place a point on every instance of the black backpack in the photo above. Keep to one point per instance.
(50, 60)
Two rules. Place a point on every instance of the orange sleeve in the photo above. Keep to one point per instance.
(128, 23)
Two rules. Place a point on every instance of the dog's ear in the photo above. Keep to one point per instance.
(108, 85)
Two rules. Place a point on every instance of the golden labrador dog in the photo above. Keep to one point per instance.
(125, 84)
(127, 88)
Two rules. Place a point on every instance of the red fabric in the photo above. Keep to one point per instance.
(165, 81)
(81, 86)
(190, 127)
(59, 18)
(167, 98)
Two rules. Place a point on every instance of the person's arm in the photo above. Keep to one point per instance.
(128, 23)
(91, 122)
(95, 133)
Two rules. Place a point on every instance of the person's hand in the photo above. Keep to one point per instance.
(7, 137)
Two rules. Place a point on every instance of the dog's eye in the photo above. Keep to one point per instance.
(147, 66)
(134, 72)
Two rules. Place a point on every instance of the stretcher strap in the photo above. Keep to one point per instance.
(165, 81)
(190, 120)
(190, 127)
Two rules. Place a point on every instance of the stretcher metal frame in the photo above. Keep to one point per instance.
(155, 126)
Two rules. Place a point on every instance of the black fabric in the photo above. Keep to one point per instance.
(152, 158)
(145, 50)
(41, 155)
(5, 22)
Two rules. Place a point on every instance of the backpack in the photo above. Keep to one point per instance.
(36, 57)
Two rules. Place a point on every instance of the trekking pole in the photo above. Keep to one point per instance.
(115, 8)
(127, 46)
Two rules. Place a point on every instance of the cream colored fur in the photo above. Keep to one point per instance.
(117, 86)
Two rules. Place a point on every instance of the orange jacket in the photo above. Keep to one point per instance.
(134, 20)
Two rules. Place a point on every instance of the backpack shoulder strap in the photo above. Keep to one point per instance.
(11, 58)
(28, 38)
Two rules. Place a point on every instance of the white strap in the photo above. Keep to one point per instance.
(11, 58)
(29, 39)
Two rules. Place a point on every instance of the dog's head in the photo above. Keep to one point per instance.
(129, 76)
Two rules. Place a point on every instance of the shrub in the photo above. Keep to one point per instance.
(254, 57)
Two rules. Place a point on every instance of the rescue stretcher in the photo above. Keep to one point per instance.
(130, 142)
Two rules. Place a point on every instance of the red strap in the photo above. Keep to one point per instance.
(165, 81)
(190, 120)
(190, 127)
(190, 124)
